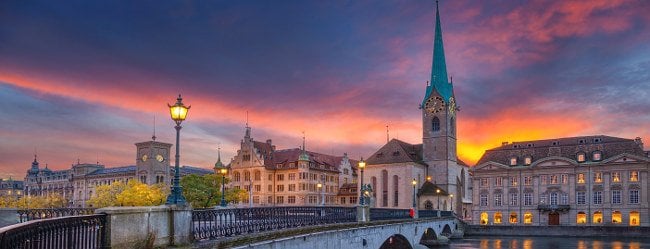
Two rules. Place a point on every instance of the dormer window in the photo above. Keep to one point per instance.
(528, 160)
(556, 143)
(581, 157)
(530, 145)
(515, 146)
(597, 156)
(597, 140)
(513, 161)
(581, 141)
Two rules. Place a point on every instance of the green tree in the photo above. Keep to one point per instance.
(236, 195)
(202, 191)
(106, 195)
(139, 194)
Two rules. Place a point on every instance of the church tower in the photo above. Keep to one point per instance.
(439, 118)
(152, 162)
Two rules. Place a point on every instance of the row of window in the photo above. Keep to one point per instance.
(580, 157)
(581, 218)
(292, 188)
(556, 198)
(290, 176)
(617, 176)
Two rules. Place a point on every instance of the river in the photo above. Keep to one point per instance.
(505, 242)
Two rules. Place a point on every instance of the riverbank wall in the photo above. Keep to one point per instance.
(558, 231)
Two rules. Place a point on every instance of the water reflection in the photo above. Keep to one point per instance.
(502, 242)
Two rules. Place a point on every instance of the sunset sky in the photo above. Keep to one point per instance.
(84, 79)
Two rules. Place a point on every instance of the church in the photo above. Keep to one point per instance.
(440, 177)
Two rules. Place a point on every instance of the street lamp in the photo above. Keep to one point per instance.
(322, 198)
(362, 197)
(223, 172)
(438, 197)
(178, 112)
(414, 182)
(452, 202)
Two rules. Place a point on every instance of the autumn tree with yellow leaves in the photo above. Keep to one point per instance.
(133, 193)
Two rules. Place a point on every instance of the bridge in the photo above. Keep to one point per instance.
(267, 227)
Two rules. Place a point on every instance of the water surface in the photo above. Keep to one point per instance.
(504, 242)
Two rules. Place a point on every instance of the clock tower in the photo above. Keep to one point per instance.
(439, 119)
(152, 162)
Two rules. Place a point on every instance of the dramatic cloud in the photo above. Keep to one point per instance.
(84, 80)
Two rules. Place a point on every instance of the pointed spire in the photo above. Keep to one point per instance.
(303, 156)
(248, 129)
(439, 79)
(154, 129)
(219, 164)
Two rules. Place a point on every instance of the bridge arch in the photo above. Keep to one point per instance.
(396, 241)
(428, 235)
(446, 231)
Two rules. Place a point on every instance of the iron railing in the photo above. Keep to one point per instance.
(217, 223)
(389, 214)
(46, 213)
(84, 232)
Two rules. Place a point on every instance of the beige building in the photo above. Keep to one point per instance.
(392, 168)
(79, 183)
(289, 177)
(591, 180)
(11, 188)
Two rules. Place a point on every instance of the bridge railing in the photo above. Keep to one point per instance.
(217, 223)
(46, 213)
(87, 231)
(434, 213)
(389, 214)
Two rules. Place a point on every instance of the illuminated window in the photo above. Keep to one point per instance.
(514, 181)
(498, 181)
(616, 177)
(581, 218)
(634, 176)
(484, 218)
(634, 218)
(581, 178)
(617, 217)
(528, 180)
(497, 218)
(528, 218)
(564, 178)
(598, 177)
(596, 156)
(513, 161)
(598, 217)
(528, 160)
(513, 218)
(581, 157)
(554, 179)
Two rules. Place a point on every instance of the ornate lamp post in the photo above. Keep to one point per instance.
(438, 197)
(414, 182)
(178, 113)
(320, 189)
(223, 172)
(362, 197)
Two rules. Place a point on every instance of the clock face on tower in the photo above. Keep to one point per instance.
(160, 158)
(144, 158)
(435, 105)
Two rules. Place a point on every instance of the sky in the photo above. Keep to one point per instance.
(84, 80)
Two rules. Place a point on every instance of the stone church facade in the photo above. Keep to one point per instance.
(433, 163)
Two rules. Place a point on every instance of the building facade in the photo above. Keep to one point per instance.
(392, 168)
(11, 188)
(590, 180)
(289, 177)
(79, 183)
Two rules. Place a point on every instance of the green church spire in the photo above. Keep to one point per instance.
(439, 80)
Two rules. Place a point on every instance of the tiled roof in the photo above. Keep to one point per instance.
(428, 188)
(562, 147)
(396, 151)
(281, 159)
(114, 170)
(193, 170)
(348, 189)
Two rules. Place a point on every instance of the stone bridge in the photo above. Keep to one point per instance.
(413, 233)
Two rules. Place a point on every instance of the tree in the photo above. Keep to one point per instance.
(139, 194)
(49, 201)
(236, 195)
(202, 191)
(106, 195)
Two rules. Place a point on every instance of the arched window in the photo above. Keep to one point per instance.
(497, 218)
(428, 205)
(581, 218)
(247, 176)
(384, 188)
(395, 191)
(484, 218)
(236, 176)
(634, 218)
(617, 217)
(513, 218)
(373, 180)
(257, 175)
(598, 217)
(435, 124)
(528, 218)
